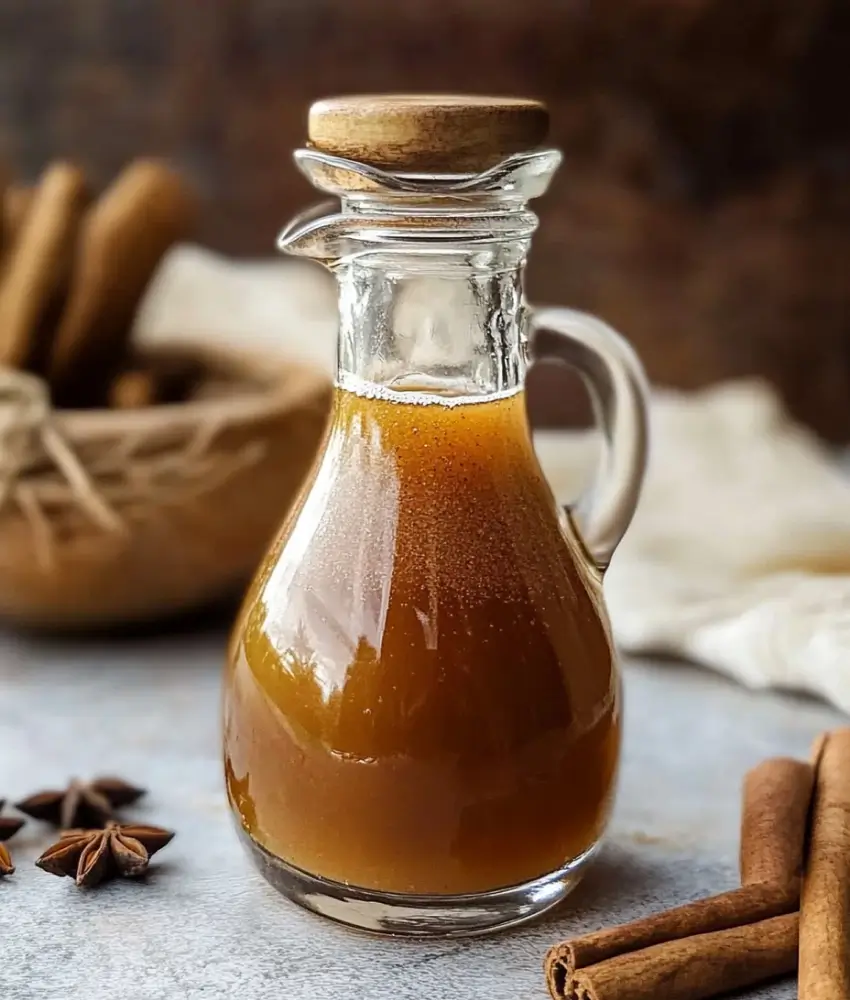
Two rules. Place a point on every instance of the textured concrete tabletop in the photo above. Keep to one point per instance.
(205, 926)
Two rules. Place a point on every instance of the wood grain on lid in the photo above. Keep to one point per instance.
(449, 133)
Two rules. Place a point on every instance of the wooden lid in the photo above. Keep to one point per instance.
(444, 133)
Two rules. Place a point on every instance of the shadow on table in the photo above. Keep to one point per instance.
(213, 619)
(618, 880)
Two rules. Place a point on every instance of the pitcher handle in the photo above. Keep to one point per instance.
(617, 384)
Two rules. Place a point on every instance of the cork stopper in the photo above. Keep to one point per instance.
(427, 133)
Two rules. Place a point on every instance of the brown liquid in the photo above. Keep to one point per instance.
(422, 695)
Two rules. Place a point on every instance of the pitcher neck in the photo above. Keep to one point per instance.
(447, 322)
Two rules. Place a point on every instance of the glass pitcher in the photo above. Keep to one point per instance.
(422, 704)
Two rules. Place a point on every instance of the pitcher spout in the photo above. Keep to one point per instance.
(318, 232)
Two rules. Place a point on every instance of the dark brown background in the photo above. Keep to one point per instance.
(703, 207)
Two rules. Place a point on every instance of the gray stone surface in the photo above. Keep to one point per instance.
(206, 926)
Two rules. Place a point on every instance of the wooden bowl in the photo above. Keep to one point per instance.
(119, 516)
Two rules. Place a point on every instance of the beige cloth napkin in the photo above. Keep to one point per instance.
(739, 555)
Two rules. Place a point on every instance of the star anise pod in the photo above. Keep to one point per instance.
(9, 826)
(93, 856)
(81, 804)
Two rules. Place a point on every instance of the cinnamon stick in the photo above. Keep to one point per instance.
(747, 905)
(777, 797)
(16, 203)
(133, 390)
(157, 380)
(696, 968)
(825, 906)
(816, 748)
(123, 238)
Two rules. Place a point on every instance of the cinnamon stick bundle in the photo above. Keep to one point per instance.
(748, 905)
(776, 800)
(698, 967)
(620, 962)
(825, 905)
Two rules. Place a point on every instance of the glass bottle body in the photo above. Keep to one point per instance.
(423, 696)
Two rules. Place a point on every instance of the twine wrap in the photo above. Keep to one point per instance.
(27, 438)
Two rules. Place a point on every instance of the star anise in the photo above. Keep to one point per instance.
(8, 828)
(93, 856)
(81, 804)
(9, 825)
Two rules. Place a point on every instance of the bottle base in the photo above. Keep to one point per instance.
(420, 916)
